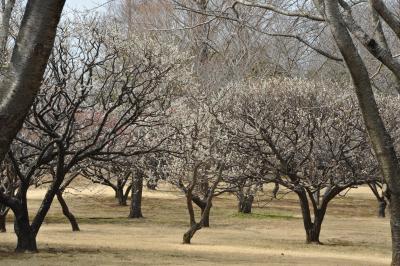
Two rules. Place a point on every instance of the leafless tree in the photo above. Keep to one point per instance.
(113, 175)
(94, 105)
(344, 24)
(377, 189)
(203, 155)
(310, 140)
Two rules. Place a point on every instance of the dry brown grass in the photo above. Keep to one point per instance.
(273, 235)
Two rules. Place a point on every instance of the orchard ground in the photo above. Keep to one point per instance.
(272, 235)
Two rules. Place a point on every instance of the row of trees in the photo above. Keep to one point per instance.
(310, 140)
(101, 100)
(111, 111)
(210, 108)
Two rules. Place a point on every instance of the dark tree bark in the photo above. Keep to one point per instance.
(380, 198)
(202, 204)
(275, 190)
(319, 206)
(194, 226)
(3, 222)
(246, 204)
(120, 195)
(136, 200)
(187, 237)
(22, 80)
(382, 208)
(67, 213)
(205, 214)
(26, 232)
(151, 185)
(26, 237)
(51, 192)
(312, 228)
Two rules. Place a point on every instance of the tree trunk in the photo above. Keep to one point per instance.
(245, 204)
(3, 219)
(151, 185)
(316, 197)
(381, 200)
(3, 222)
(26, 238)
(395, 227)
(67, 213)
(21, 82)
(275, 190)
(314, 230)
(202, 204)
(205, 213)
(119, 194)
(136, 200)
(187, 237)
(51, 192)
(382, 207)
(194, 227)
(312, 234)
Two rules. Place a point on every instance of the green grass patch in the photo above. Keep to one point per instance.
(255, 215)
(92, 220)
(107, 220)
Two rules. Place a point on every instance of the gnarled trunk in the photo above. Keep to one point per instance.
(3, 221)
(190, 233)
(380, 198)
(245, 204)
(205, 213)
(67, 213)
(312, 227)
(312, 234)
(151, 185)
(26, 237)
(194, 226)
(275, 190)
(202, 204)
(119, 194)
(382, 208)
